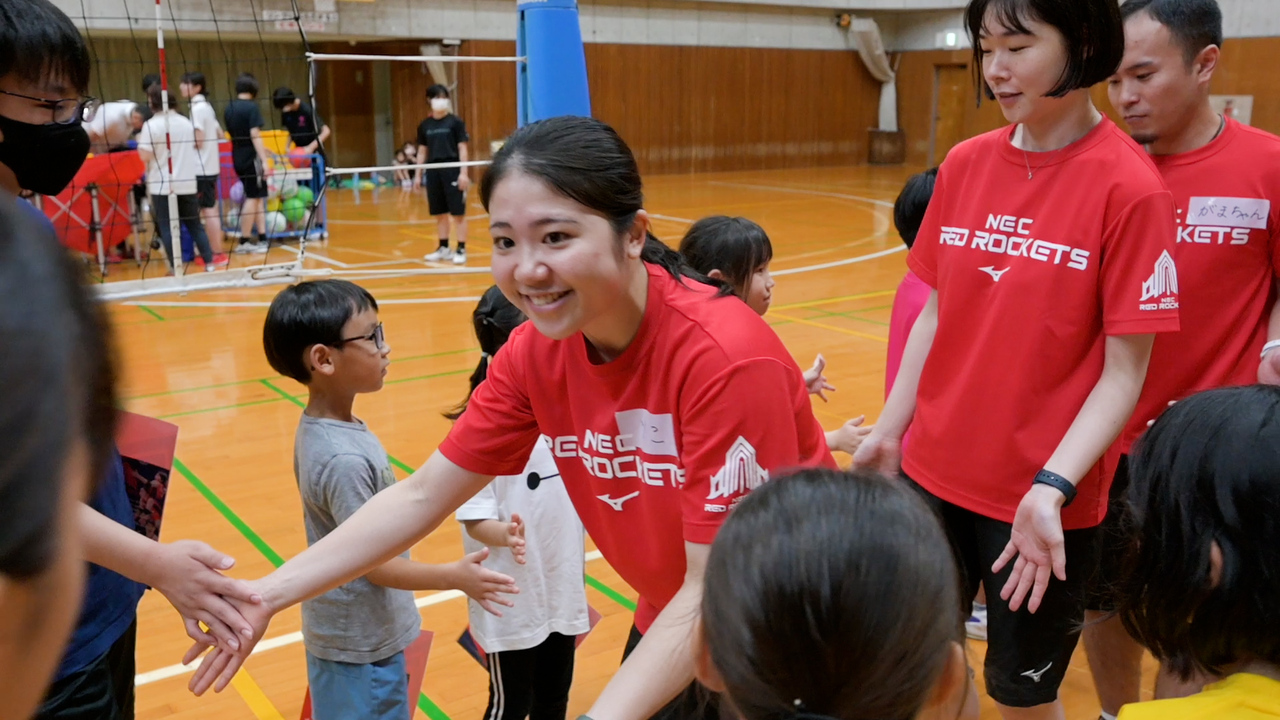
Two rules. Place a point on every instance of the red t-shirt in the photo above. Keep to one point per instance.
(912, 295)
(1227, 195)
(658, 445)
(1032, 274)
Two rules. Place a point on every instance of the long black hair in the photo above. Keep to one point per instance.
(586, 161)
(830, 593)
(58, 373)
(494, 318)
(735, 246)
(1206, 473)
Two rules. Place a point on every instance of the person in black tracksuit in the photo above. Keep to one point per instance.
(442, 138)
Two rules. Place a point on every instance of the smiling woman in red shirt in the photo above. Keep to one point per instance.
(1048, 247)
(664, 403)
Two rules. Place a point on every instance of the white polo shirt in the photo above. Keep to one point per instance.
(182, 140)
(205, 118)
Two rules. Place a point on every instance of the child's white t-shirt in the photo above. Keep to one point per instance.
(552, 597)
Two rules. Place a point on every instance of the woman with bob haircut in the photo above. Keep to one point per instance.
(1047, 245)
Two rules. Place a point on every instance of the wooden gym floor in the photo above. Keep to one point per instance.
(196, 360)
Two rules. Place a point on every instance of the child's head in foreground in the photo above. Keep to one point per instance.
(1203, 570)
(327, 331)
(833, 594)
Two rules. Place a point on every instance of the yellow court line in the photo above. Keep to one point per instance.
(828, 301)
(824, 326)
(254, 697)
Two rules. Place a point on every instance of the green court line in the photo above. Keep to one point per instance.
(850, 316)
(188, 390)
(610, 593)
(215, 409)
(399, 464)
(283, 394)
(229, 514)
(432, 710)
(397, 381)
(151, 312)
(425, 703)
(243, 382)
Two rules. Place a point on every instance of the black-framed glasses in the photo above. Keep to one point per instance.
(65, 111)
(377, 337)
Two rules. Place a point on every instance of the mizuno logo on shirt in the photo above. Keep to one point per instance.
(1037, 674)
(993, 272)
(616, 503)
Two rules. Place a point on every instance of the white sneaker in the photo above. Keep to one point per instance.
(976, 626)
(245, 248)
(460, 257)
(441, 254)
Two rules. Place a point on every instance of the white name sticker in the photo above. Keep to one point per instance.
(653, 433)
(1229, 212)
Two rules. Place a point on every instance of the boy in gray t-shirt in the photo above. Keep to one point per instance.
(326, 335)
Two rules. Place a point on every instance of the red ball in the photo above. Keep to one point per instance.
(299, 158)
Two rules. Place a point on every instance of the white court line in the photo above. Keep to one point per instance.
(838, 263)
(801, 191)
(294, 638)
(315, 255)
(656, 216)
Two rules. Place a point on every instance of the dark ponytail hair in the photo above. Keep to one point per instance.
(830, 593)
(494, 318)
(735, 246)
(586, 161)
(1206, 473)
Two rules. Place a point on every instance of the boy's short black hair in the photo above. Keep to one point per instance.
(247, 83)
(908, 209)
(195, 78)
(306, 314)
(1092, 29)
(39, 42)
(1194, 24)
(436, 91)
(148, 80)
(282, 96)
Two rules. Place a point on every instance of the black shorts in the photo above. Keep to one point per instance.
(207, 190)
(1027, 653)
(1113, 544)
(252, 177)
(443, 195)
(694, 703)
(102, 690)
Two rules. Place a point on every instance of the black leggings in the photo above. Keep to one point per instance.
(532, 683)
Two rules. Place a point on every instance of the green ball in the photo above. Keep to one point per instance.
(305, 195)
(294, 209)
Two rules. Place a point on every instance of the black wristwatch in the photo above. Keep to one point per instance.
(1057, 482)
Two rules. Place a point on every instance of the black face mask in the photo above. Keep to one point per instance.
(44, 158)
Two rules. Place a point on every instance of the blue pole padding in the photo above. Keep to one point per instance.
(553, 79)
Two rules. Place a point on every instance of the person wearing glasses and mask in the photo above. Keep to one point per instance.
(44, 70)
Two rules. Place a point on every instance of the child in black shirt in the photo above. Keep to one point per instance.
(243, 122)
(442, 138)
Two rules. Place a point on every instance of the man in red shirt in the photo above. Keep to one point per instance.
(1225, 180)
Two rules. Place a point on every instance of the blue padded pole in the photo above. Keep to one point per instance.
(553, 79)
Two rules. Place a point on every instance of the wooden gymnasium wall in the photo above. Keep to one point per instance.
(1243, 70)
(682, 109)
